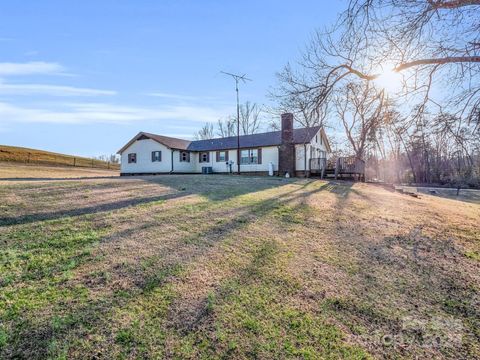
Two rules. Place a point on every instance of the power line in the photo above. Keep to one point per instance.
(237, 79)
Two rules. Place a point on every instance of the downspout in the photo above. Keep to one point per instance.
(171, 171)
(304, 160)
(278, 161)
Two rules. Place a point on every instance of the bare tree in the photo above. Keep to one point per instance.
(429, 42)
(205, 133)
(226, 127)
(249, 118)
(430, 48)
(361, 110)
(250, 121)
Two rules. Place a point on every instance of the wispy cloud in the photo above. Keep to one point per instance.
(52, 90)
(91, 113)
(30, 68)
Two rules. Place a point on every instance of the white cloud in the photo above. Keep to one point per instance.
(91, 113)
(53, 90)
(30, 68)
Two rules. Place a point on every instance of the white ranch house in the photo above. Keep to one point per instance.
(288, 150)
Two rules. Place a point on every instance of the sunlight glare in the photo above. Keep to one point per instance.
(390, 80)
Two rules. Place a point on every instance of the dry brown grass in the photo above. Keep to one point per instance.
(34, 171)
(218, 266)
(21, 155)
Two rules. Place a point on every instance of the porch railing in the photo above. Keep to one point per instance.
(341, 165)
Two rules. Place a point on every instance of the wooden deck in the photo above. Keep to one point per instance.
(340, 168)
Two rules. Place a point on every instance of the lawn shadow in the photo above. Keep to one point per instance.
(55, 215)
(187, 249)
(404, 285)
(213, 187)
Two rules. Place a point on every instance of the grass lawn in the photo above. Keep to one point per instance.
(235, 267)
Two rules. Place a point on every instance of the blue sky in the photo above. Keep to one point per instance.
(83, 77)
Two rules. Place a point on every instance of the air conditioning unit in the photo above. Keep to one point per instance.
(207, 170)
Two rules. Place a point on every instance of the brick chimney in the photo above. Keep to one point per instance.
(286, 151)
(287, 128)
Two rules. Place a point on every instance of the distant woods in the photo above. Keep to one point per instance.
(399, 81)
(112, 158)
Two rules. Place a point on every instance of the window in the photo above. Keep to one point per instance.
(204, 157)
(251, 156)
(222, 156)
(156, 156)
(184, 156)
(132, 158)
(316, 138)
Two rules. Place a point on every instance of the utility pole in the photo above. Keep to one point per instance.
(237, 78)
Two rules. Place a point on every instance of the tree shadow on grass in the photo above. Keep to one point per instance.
(406, 279)
(30, 218)
(32, 338)
(215, 188)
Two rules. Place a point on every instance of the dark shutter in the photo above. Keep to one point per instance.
(226, 155)
(217, 159)
(188, 156)
(159, 156)
(260, 156)
(180, 153)
(208, 156)
(153, 156)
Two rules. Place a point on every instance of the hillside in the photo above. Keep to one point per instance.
(33, 156)
(15, 171)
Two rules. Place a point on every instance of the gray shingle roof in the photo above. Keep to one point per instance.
(274, 138)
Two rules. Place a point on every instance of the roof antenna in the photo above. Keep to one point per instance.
(237, 79)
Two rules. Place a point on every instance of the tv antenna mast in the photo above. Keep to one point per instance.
(237, 79)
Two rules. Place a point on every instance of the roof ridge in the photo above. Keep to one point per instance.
(262, 133)
(165, 136)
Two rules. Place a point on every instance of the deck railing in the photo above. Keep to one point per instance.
(341, 165)
(317, 164)
(349, 165)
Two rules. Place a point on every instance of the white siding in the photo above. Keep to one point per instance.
(300, 156)
(314, 150)
(144, 164)
(184, 166)
(269, 154)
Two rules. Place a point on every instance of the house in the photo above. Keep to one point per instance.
(289, 150)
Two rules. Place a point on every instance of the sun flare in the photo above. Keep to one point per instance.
(389, 80)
